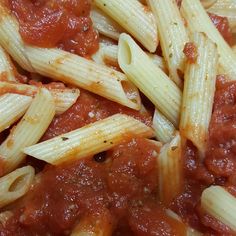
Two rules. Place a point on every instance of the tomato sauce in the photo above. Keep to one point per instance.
(222, 24)
(88, 109)
(190, 51)
(125, 185)
(221, 153)
(218, 167)
(62, 23)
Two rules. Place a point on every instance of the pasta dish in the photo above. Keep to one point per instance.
(117, 117)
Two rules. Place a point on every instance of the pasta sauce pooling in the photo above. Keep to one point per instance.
(121, 189)
(65, 24)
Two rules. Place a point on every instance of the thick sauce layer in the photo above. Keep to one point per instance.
(219, 166)
(124, 184)
(62, 23)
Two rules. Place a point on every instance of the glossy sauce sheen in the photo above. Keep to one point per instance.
(62, 23)
(124, 188)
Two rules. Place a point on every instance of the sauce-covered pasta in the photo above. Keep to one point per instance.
(117, 118)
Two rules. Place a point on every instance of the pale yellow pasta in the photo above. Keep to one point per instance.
(11, 40)
(15, 184)
(208, 3)
(234, 49)
(170, 170)
(173, 36)
(29, 130)
(225, 8)
(199, 90)
(76, 70)
(108, 55)
(198, 20)
(164, 129)
(63, 98)
(220, 204)
(12, 107)
(151, 80)
(72, 69)
(6, 67)
(104, 24)
(133, 17)
(89, 140)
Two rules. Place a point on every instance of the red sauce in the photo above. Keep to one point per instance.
(87, 109)
(190, 52)
(222, 24)
(62, 23)
(218, 167)
(221, 153)
(125, 185)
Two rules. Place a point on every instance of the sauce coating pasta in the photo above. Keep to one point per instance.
(126, 185)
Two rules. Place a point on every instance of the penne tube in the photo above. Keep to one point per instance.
(29, 130)
(133, 17)
(220, 204)
(198, 20)
(164, 129)
(198, 94)
(172, 34)
(108, 55)
(208, 3)
(89, 140)
(11, 40)
(170, 169)
(76, 70)
(225, 8)
(151, 80)
(6, 67)
(104, 24)
(15, 185)
(94, 225)
(63, 98)
(12, 107)
(234, 49)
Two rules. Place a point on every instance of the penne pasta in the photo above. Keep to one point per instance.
(72, 69)
(15, 185)
(220, 204)
(63, 98)
(198, 20)
(172, 34)
(108, 55)
(225, 8)
(12, 107)
(234, 49)
(6, 67)
(133, 17)
(91, 225)
(199, 90)
(208, 3)
(164, 129)
(170, 169)
(104, 24)
(152, 81)
(29, 130)
(89, 140)
(11, 40)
